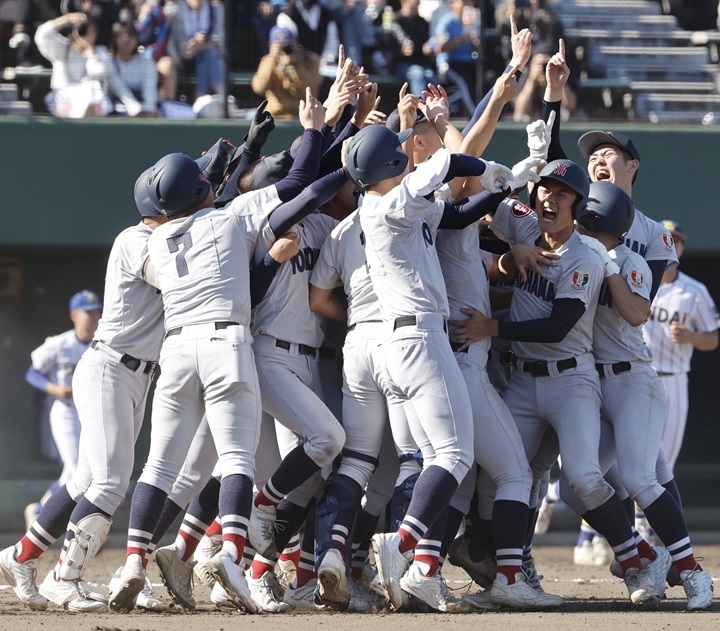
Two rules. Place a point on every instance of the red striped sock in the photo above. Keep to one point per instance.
(26, 550)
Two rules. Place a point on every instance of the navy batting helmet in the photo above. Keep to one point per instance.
(608, 210)
(174, 184)
(145, 207)
(373, 155)
(571, 175)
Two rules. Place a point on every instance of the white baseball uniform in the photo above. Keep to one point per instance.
(687, 301)
(651, 240)
(400, 229)
(57, 358)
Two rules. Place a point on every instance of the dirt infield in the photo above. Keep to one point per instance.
(594, 599)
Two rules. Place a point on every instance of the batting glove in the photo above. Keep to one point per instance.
(496, 177)
(523, 172)
(539, 136)
(261, 126)
(610, 266)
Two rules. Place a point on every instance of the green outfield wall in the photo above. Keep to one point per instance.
(67, 191)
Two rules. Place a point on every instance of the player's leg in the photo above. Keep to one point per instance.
(676, 391)
(65, 428)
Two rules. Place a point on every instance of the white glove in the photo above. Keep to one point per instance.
(523, 172)
(496, 177)
(539, 134)
(595, 245)
(132, 107)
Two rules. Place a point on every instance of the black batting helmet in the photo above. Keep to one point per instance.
(373, 155)
(145, 207)
(174, 184)
(609, 210)
(571, 175)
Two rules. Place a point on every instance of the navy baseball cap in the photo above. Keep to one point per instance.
(86, 300)
(593, 139)
(676, 230)
(272, 169)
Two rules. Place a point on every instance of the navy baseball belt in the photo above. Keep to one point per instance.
(616, 369)
(218, 326)
(411, 321)
(129, 361)
(539, 368)
(324, 352)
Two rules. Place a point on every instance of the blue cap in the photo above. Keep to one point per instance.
(86, 300)
(676, 230)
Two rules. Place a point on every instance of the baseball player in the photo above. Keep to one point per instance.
(683, 318)
(550, 328)
(633, 403)
(199, 262)
(396, 218)
(53, 365)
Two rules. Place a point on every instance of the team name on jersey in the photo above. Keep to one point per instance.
(658, 314)
(304, 260)
(636, 246)
(538, 286)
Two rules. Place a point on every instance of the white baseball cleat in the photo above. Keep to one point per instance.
(21, 577)
(521, 595)
(177, 575)
(206, 550)
(640, 587)
(286, 572)
(302, 598)
(332, 581)
(391, 564)
(584, 554)
(261, 530)
(533, 579)
(148, 600)
(220, 598)
(602, 550)
(362, 600)
(480, 601)
(433, 591)
(75, 596)
(232, 578)
(130, 584)
(698, 588)
(371, 580)
(658, 569)
(265, 591)
(542, 525)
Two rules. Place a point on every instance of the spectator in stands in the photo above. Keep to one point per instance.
(314, 26)
(197, 36)
(152, 30)
(131, 76)
(263, 19)
(284, 73)
(528, 101)
(14, 23)
(405, 40)
(455, 43)
(79, 67)
(356, 29)
(100, 10)
(695, 15)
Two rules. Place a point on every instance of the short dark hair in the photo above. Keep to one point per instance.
(118, 29)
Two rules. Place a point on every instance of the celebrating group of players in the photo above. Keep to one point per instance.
(229, 283)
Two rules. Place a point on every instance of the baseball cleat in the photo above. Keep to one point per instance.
(602, 551)
(220, 598)
(698, 588)
(521, 595)
(265, 592)
(261, 530)
(482, 571)
(640, 587)
(433, 591)
(148, 600)
(21, 577)
(371, 580)
(362, 600)
(207, 549)
(75, 596)
(658, 569)
(542, 525)
(285, 571)
(533, 579)
(391, 565)
(232, 578)
(480, 601)
(584, 554)
(177, 575)
(332, 581)
(130, 584)
(302, 598)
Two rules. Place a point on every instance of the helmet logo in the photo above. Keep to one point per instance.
(561, 169)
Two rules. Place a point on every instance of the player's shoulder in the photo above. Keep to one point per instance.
(691, 284)
(574, 252)
(351, 222)
(254, 201)
(625, 256)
